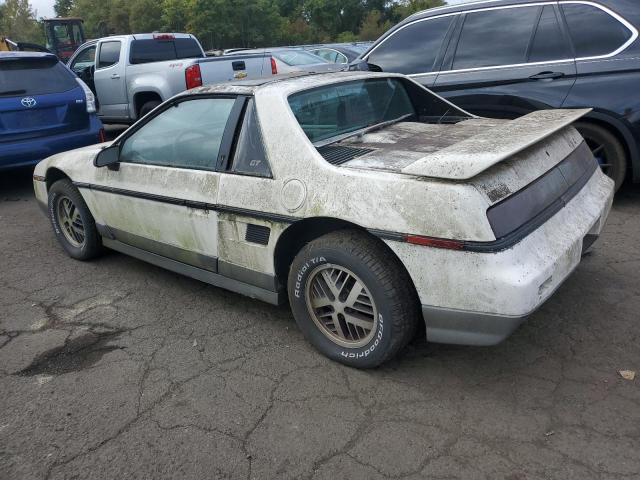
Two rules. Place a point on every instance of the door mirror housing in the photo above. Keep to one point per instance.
(108, 157)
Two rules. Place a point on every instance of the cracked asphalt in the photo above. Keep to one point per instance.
(117, 369)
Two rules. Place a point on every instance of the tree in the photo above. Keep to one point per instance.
(18, 22)
(144, 16)
(62, 7)
(405, 8)
(373, 26)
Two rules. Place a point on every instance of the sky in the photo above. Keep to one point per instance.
(43, 7)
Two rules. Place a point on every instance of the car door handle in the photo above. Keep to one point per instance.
(115, 76)
(547, 76)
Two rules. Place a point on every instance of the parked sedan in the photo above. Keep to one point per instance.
(293, 59)
(366, 200)
(339, 52)
(507, 58)
(44, 109)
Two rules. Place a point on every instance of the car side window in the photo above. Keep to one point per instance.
(328, 55)
(85, 59)
(495, 37)
(109, 54)
(549, 42)
(186, 135)
(412, 49)
(249, 156)
(593, 31)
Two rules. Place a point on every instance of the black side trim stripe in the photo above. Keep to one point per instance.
(494, 246)
(190, 203)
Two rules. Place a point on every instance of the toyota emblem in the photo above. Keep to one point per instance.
(28, 102)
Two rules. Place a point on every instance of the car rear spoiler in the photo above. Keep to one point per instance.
(468, 158)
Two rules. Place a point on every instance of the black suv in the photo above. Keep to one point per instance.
(506, 58)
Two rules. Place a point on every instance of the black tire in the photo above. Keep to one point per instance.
(609, 151)
(63, 191)
(390, 288)
(147, 107)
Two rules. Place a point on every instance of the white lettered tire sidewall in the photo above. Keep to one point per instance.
(367, 356)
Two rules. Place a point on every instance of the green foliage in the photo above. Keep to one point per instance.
(18, 22)
(62, 7)
(223, 23)
(374, 25)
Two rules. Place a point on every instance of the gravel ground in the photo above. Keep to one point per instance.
(117, 369)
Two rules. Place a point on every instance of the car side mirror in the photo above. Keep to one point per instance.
(108, 157)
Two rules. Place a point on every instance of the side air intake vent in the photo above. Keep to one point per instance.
(338, 154)
(257, 234)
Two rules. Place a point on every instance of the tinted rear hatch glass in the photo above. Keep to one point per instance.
(39, 97)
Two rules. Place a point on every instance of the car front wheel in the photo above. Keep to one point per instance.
(72, 221)
(352, 299)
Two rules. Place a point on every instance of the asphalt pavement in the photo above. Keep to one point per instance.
(115, 369)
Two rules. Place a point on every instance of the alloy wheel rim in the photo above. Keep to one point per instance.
(70, 222)
(341, 306)
(599, 151)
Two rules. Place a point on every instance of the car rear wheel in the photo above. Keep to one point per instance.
(72, 221)
(607, 149)
(147, 107)
(352, 299)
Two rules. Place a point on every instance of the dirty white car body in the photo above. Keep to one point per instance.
(486, 217)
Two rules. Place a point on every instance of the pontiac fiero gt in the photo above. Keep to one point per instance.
(366, 200)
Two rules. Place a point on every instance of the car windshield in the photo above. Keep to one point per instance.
(34, 76)
(339, 109)
(298, 57)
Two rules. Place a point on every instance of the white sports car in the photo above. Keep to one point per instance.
(368, 201)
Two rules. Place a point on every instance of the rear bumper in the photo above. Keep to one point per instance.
(481, 298)
(30, 152)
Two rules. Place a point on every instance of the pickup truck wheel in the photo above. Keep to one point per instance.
(352, 299)
(147, 107)
(72, 221)
(607, 149)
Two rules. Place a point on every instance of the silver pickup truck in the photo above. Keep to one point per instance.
(132, 74)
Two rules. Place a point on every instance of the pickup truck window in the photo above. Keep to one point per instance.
(155, 50)
(109, 54)
(335, 110)
(186, 135)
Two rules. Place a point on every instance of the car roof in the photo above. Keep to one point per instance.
(290, 81)
(462, 7)
(14, 55)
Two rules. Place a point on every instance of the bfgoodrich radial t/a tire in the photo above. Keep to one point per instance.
(72, 221)
(352, 299)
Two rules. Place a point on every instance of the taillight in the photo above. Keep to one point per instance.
(89, 97)
(101, 136)
(274, 66)
(193, 77)
(163, 36)
(434, 242)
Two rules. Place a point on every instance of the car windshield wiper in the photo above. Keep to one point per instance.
(13, 92)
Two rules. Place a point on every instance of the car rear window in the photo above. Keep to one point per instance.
(34, 76)
(594, 32)
(334, 110)
(294, 58)
(152, 50)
